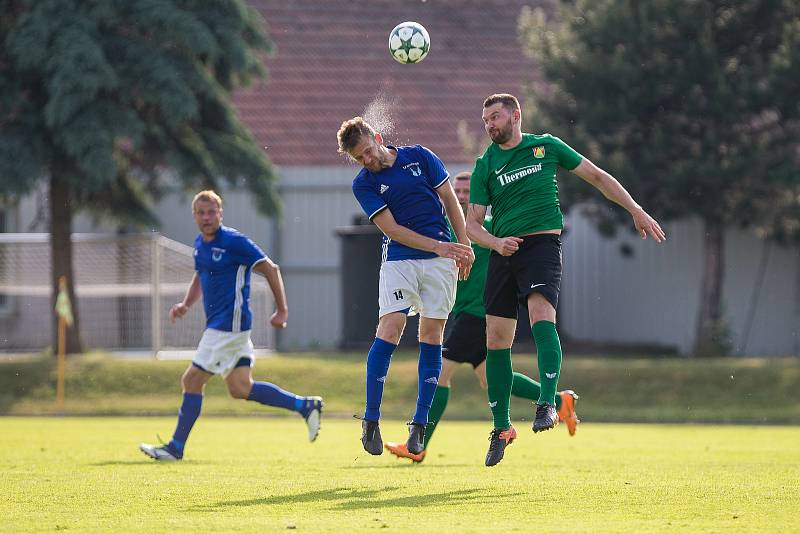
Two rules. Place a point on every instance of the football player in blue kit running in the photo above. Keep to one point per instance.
(406, 192)
(224, 259)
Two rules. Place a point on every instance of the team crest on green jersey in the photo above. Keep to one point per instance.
(538, 152)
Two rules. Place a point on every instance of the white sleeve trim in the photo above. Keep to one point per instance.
(442, 182)
(257, 262)
(374, 213)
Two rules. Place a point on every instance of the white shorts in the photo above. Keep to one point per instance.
(219, 351)
(427, 287)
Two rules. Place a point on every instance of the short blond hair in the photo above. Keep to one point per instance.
(208, 196)
(463, 175)
(350, 134)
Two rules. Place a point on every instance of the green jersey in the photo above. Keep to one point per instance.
(520, 184)
(469, 292)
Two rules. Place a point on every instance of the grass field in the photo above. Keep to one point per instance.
(259, 474)
(738, 390)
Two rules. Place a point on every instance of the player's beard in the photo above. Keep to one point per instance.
(502, 135)
(210, 229)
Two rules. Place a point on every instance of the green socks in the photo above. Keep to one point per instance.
(521, 386)
(438, 405)
(499, 378)
(528, 388)
(548, 349)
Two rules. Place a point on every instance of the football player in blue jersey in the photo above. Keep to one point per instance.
(224, 259)
(406, 192)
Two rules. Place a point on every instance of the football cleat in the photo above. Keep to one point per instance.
(416, 438)
(162, 453)
(371, 437)
(401, 451)
(498, 441)
(312, 413)
(567, 411)
(546, 417)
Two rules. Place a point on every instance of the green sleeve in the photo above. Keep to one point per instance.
(478, 187)
(568, 157)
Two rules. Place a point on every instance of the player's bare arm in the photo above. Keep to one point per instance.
(613, 190)
(456, 217)
(505, 246)
(387, 224)
(193, 294)
(272, 272)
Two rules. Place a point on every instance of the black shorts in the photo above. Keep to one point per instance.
(534, 268)
(465, 339)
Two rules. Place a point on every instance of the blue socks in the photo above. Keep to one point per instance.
(187, 415)
(378, 359)
(271, 395)
(262, 392)
(380, 354)
(430, 366)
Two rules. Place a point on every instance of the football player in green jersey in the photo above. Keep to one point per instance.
(516, 176)
(465, 342)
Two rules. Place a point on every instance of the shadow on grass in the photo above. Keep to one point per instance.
(122, 462)
(335, 494)
(360, 499)
(148, 462)
(409, 465)
(420, 501)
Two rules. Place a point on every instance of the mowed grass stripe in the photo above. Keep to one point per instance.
(738, 390)
(260, 474)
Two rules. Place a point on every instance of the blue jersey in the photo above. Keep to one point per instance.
(408, 189)
(224, 266)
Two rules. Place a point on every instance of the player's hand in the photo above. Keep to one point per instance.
(506, 246)
(455, 251)
(646, 225)
(464, 270)
(177, 311)
(278, 319)
(465, 265)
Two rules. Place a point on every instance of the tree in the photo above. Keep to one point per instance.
(693, 104)
(110, 103)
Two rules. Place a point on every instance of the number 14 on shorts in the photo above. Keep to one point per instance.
(398, 295)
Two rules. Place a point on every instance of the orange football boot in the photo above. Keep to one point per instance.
(401, 451)
(567, 411)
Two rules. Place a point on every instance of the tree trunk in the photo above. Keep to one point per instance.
(711, 334)
(61, 258)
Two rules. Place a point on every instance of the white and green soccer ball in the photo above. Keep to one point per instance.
(409, 42)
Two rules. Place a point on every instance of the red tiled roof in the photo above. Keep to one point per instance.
(332, 60)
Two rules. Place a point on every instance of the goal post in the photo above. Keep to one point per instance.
(124, 286)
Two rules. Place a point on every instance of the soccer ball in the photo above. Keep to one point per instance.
(409, 42)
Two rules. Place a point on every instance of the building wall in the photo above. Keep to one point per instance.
(317, 200)
(649, 296)
(652, 296)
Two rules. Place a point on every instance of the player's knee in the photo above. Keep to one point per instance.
(240, 390)
(540, 309)
(191, 383)
(496, 340)
(431, 330)
(390, 335)
(390, 328)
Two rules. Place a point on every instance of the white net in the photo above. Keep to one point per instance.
(124, 287)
